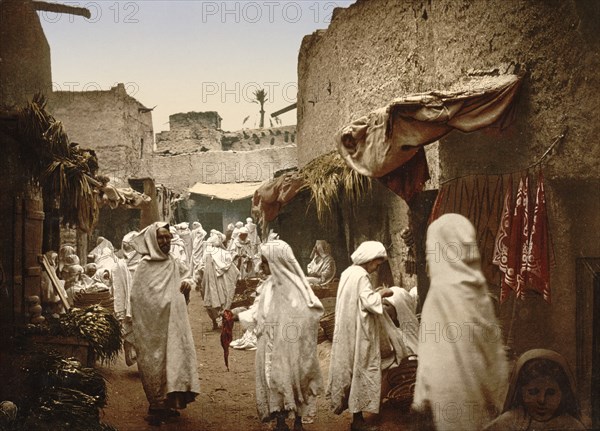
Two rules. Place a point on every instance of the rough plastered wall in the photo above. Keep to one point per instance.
(24, 53)
(377, 50)
(112, 123)
(180, 172)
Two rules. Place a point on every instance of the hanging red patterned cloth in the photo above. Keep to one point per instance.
(523, 276)
(538, 255)
(519, 235)
(502, 242)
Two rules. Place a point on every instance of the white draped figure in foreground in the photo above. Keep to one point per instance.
(355, 367)
(462, 372)
(166, 355)
(288, 376)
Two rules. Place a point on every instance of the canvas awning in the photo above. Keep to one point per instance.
(227, 192)
(381, 143)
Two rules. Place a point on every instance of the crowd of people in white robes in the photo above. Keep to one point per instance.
(462, 382)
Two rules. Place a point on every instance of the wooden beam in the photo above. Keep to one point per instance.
(62, 8)
(284, 110)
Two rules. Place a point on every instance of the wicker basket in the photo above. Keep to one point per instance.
(85, 299)
(328, 324)
(402, 382)
(327, 290)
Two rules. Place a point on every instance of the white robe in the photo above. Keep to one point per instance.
(288, 375)
(219, 276)
(166, 354)
(355, 368)
(462, 372)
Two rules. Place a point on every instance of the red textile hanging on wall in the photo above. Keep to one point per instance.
(513, 235)
(502, 242)
(519, 235)
(537, 257)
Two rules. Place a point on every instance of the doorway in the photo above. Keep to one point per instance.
(588, 337)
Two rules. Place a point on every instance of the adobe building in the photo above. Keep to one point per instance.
(216, 172)
(379, 50)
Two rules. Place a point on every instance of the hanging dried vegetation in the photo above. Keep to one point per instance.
(65, 171)
(333, 183)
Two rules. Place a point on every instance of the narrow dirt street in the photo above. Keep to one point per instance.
(227, 400)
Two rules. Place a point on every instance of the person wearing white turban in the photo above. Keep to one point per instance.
(355, 368)
(241, 253)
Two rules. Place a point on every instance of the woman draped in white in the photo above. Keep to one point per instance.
(462, 370)
(288, 376)
(217, 276)
(166, 355)
(252, 234)
(321, 269)
(355, 367)
(198, 243)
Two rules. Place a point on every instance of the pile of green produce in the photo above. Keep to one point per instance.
(97, 326)
(94, 324)
(62, 396)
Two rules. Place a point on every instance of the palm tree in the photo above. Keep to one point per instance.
(260, 97)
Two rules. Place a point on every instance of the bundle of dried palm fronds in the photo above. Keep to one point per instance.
(63, 169)
(332, 182)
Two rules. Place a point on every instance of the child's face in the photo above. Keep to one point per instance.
(542, 397)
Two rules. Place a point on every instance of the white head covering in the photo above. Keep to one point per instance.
(452, 253)
(458, 301)
(243, 230)
(239, 224)
(286, 270)
(368, 251)
(146, 244)
(249, 220)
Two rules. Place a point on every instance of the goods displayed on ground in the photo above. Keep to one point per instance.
(61, 395)
(95, 325)
(401, 380)
(85, 299)
(245, 292)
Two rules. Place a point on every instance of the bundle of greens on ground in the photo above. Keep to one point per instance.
(61, 395)
(94, 324)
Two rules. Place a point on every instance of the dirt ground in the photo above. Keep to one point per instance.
(227, 400)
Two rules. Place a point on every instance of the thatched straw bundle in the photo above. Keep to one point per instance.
(332, 182)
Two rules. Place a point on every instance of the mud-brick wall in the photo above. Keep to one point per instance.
(377, 50)
(180, 172)
(112, 123)
(25, 53)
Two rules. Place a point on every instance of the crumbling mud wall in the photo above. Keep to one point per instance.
(377, 50)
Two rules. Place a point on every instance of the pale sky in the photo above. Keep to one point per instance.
(187, 55)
